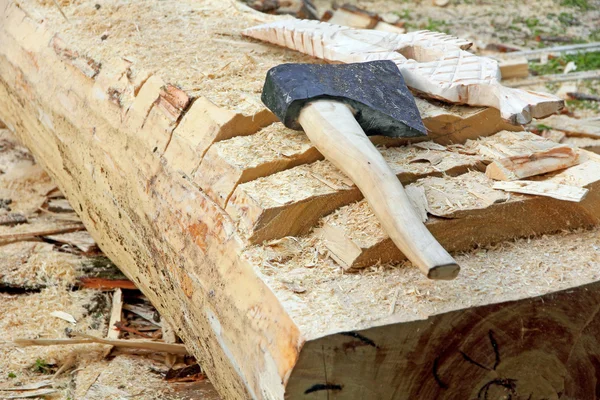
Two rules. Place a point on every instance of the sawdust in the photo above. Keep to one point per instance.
(42, 274)
(266, 146)
(509, 271)
(194, 45)
(35, 264)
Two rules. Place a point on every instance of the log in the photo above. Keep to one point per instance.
(465, 212)
(241, 159)
(280, 319)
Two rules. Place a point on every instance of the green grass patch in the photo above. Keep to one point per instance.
(581, 4)
(41, 366)
(12, 375)
(567, 19)
(583, 105)
(584, 62)
(436, 25)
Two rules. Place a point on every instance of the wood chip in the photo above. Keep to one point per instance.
(64, 316)
(30, 386)
(30, 394)
(148, 315)
(81, 239)
(12, 219)
(536, 163)
(416, 195)
(132, 344)
(541, 188)
(430, 146)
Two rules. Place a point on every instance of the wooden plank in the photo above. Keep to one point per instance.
(574, 127)
(126, 343)
(291, 202)
(536, 163)
(466, 212)
(116, 312)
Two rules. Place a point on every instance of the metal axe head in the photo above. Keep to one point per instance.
(375, 91)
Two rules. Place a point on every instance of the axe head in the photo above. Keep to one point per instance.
(375, 90)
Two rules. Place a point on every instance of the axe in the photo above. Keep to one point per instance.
(337, 106)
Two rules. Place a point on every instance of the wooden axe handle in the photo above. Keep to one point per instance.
(332, 128)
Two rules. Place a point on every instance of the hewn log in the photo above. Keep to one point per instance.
(291, 202)
(278, 320)
(465, 212)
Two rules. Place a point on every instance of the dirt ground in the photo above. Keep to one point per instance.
(39, 277)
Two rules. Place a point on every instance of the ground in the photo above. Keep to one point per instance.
(39, 276)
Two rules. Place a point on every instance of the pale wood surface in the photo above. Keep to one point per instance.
(549, 189)
(573, 127)
(536, 163)
(432, 63)
(334, 131)
(467, 211)
(116, 312)
(260, 207)
(292, 201)
(230, 163)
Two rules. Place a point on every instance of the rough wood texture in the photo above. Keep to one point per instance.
(466, 212)
(536, 163)
(275, 148)
(459, 206)
(432, 63)
(331, 126)
(280, 319)
(291, 202)
(573, 126)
